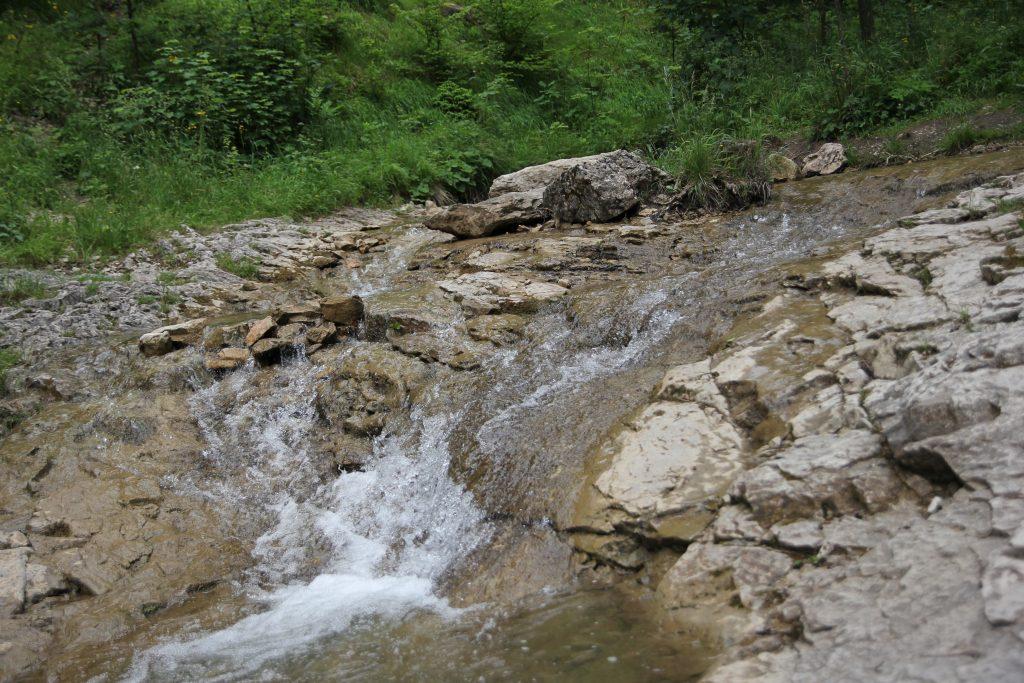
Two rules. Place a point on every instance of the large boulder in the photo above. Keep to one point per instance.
(830, 158)
(536, 177)
(172, 337)
(489, 216)
(602, 188)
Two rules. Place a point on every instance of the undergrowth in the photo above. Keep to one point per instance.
(116, 127)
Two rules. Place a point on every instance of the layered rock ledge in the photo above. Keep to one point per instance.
(846, 475)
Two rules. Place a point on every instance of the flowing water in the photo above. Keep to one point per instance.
(352, 576)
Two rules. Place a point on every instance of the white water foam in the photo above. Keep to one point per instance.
(391, 532)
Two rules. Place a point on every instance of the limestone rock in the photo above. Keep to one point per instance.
(489, 216)
(171, 337)
(500, 330)
(299, 313)
(782, 168)
(323, 333)
(155, 343)
(842, 473)
(12, 581)
(719, 588)
(228, 359)
(268, 351)
(602, 189)
(406, 311)
(42, 582)
(873, 316)
(535, 177)
(925, 241)
(487, 292)
(12, 539)
(830, 158)
(665, 468)
(344, 311)
(260, 329)
(1002, 589)
(942, 216)
(871, 275)
(803, 535)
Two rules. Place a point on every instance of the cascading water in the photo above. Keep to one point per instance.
(382, 536)
(390, 532)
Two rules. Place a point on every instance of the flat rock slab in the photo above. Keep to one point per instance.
(492, 215)
(487, 292)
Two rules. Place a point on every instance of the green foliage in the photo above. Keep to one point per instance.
(115, 128)
(253, 99)
(718, 173)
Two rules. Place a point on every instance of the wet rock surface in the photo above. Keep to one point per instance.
(872, 537)
(795, 435)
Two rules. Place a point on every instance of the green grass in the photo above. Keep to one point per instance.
(965, 136)
(8, 359)
(242, 267)
(21, 287)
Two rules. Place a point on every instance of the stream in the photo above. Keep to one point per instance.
(441, 555)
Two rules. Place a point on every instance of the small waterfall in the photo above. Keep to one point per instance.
(381, 537)
(387, 533)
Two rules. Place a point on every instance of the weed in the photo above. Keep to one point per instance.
(813, 560)
(243, 267)
(8, 359)
(965, 321)
(1003, 206)
(170, 279)
(16, 289)
(923, 275)
(146, 299)
(168, 300)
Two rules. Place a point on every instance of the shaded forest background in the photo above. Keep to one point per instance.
(120, 119)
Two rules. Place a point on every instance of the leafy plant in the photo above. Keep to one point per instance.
(254, 98)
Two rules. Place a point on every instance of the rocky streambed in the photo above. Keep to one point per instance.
(779, 444)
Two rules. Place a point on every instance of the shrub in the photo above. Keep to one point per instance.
(253, 100)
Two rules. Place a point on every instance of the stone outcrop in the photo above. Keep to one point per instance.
(597, 188)
(782, 168)
(866, 480)
(171, 337)
(536, 177)
(343, 311)
(486, 292)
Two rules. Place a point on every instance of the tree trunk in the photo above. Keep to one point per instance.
(840, 33)
(866, 14)
(136, 56)
(822, 22)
